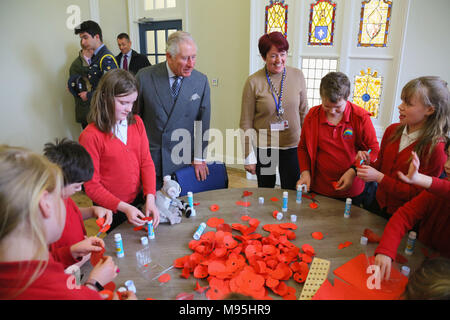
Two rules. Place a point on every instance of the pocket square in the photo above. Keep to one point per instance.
(195, 96)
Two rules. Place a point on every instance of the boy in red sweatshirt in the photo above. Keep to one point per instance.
(331, 137)
(76, 164)
(431, 207)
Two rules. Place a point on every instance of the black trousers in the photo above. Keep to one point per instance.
(287, 162)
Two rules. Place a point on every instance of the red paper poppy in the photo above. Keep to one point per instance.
(164, 278)
(313, 205)
(245, 218)
(108, 293)
(100, 222)
(334, 184)
(106, 228)
(214, 207)
(247, 193)
(308, 249)
(317, 235)
(274, 199)
(200, 272)
(96, 256)
(214, 222)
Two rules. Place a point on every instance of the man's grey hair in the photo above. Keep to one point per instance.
(174, 40)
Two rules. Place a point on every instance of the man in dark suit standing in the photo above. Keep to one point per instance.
(173, 99)
(129, 59)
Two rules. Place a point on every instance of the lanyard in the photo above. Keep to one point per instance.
(279, 101)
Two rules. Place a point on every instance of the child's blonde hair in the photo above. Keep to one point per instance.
(432, 91)
(24, 176)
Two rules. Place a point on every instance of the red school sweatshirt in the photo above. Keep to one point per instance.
(119, 169)
(52, 284)
(356, 133)
(432, 207)
(392, 193)
(73, 232)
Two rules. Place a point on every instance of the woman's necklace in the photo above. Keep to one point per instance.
(275, 93)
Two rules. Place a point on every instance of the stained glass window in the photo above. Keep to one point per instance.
(374, 23)
(314, 70)
(276, 17)
(367, 91)
(321, 23)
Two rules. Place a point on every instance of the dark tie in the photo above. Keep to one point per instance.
(125, 62)
(176, 86)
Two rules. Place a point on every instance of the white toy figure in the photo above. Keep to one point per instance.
(170, 208)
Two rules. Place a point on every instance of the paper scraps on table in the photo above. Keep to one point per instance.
(199, 288)
(214, 207)
(313, 205)
(247, 194)
(274, 199)
(164, 278)
(243, 203)
(249, 263)
(355, 273)
(196, 203)
(371, 236)
(335, 185)
(344, 245)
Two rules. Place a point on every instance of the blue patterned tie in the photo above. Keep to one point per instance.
(176, 86)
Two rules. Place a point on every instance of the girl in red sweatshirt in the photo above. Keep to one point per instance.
(117, 142)
(32, 215)
(424, 123)
(431, 207)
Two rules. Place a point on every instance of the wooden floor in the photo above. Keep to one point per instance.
(236, 179)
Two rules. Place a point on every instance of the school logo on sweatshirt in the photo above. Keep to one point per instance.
(348, 133)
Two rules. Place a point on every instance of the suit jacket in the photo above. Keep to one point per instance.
(162, 117)
(138, 61)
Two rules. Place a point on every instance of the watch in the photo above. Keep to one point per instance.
(95, 284)
(354, 168)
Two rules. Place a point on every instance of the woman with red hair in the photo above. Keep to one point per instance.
(274, 105)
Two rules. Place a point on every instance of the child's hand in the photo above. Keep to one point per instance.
(104, 271)
(369, 174)
(362, 155)
(83, 248)
(151, 209)
(101, 212)
(384, 262)
(346, 181)
(305, 178)
(133, 214)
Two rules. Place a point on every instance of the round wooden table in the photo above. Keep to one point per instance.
(171, 241)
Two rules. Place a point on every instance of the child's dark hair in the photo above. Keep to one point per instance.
(447, 144)
(90, 27)
(73, 159)
(335, 86)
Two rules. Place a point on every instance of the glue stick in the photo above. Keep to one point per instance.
(151, 231)
(119, 245)
(199, 231)
(191, 202)
(298, 199)
(348, 206)
(411, 243)
(285, 201)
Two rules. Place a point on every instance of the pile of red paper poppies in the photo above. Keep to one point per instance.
(248, 264)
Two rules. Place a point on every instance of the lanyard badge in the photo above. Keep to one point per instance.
(279, 101)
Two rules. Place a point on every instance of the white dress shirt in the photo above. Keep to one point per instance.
(407, 139)
(120, 130)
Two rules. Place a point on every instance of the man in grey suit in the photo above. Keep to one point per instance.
(173, 99)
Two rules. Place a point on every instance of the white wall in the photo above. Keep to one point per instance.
(37, 50)
(426, 49)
